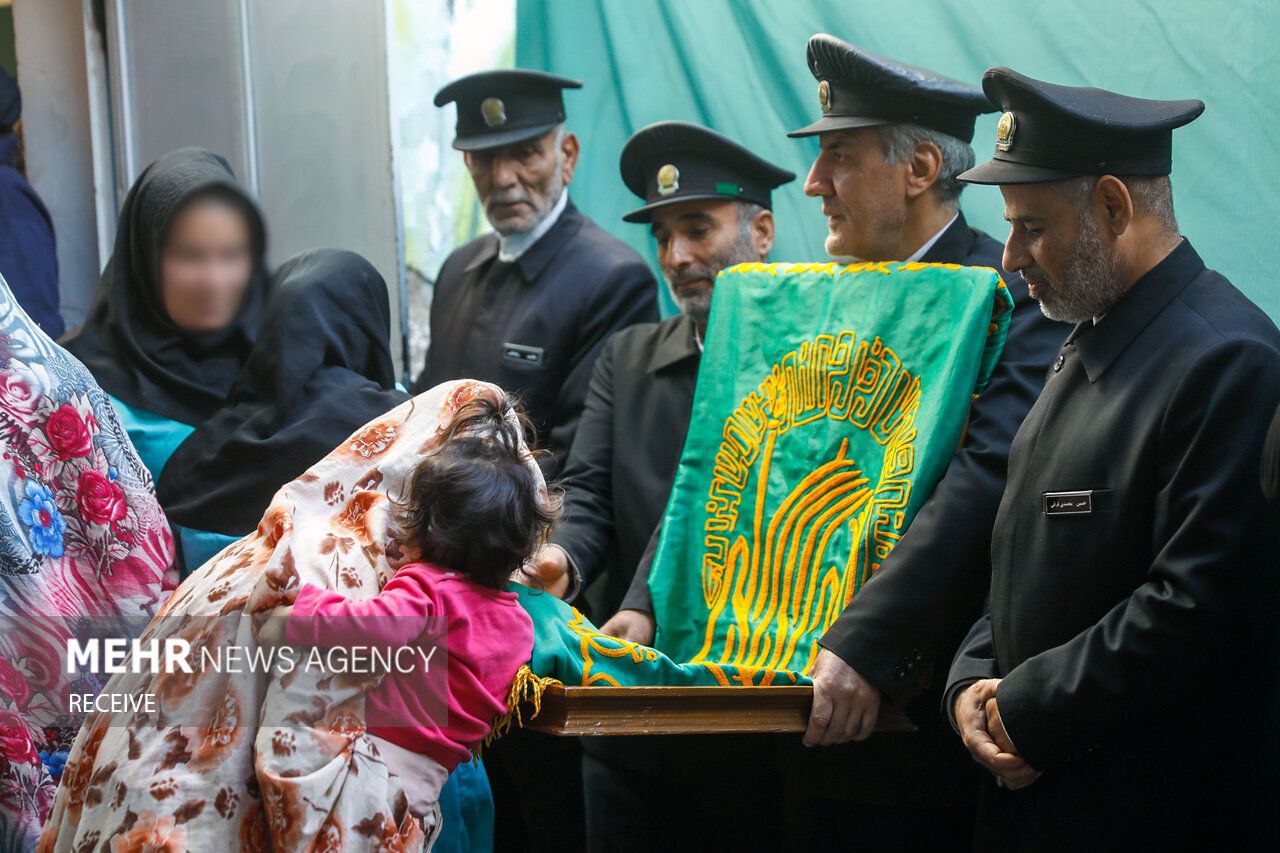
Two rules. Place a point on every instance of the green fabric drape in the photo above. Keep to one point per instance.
(569, 649)
(830, 401)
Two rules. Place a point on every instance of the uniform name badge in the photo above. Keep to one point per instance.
(1069, 503)
(1082, 502)
(522, 353)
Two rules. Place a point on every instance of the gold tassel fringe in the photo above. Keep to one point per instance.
(526, 687)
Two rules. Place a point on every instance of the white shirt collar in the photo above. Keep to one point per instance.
(512, 246)
(920, 253)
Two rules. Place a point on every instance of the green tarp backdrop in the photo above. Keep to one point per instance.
(739, 66)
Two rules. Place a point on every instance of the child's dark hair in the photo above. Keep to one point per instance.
(473, 505)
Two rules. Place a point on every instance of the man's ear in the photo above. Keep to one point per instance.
(923, 169)
(1116, 204)
(569, 148)
(762, 232)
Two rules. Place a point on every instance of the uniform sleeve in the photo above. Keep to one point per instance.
(1210, 591)
(587, 529)
(975, 661)
(396, 616)
(638, 597)
(626, 297)
(932, 584)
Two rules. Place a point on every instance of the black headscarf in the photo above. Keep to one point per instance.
(128, 341)
(322, 368)
(1271, 462)
(10, 101)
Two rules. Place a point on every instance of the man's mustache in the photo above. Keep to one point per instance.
(509, 198)
(1037, 278)
(691, 276)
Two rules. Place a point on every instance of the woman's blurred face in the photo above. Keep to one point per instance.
(206, 264)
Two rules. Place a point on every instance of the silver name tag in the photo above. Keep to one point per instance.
(1068, 503)
(522, 353)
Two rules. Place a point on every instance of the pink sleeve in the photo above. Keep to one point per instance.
(394, 617)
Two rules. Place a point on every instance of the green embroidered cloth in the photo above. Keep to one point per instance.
(830, 401)
(568, 648)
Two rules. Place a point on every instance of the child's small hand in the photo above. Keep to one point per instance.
(271, 633)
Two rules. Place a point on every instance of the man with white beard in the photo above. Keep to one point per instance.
(707, 203)
(529, 306)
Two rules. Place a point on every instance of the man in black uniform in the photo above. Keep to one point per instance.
(708, 207)
(708, 204)
(893, 139)
(1131, 643)
(529, 306)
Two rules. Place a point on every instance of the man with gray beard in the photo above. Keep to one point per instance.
(1120, 690)
(529, 306)
(707, 203)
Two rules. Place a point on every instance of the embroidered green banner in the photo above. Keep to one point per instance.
(569, 649)
(830, 400)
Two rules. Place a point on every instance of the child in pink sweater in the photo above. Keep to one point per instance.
(475, 510)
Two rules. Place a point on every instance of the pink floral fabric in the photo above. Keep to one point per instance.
(83, 546)
(254, 761)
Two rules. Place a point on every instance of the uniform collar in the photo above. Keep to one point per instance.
(1101, 344)
(929, 244)
(535, 258)
(676, 344)
(512, 246)
(952, 245)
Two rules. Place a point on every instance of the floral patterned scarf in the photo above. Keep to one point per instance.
(82, 542)
(253, 761)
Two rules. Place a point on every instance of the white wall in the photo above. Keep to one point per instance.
(54, 61)
(325, 159)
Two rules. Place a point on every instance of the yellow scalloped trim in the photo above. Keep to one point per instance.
(833, 268)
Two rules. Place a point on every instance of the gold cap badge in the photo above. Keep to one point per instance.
(668, 179)
(1004, 132)
(824, 95)
(494, 112)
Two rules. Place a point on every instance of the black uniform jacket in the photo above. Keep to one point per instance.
(1271, 462)
(1136, 576)
(624, 456)
(535, 326)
